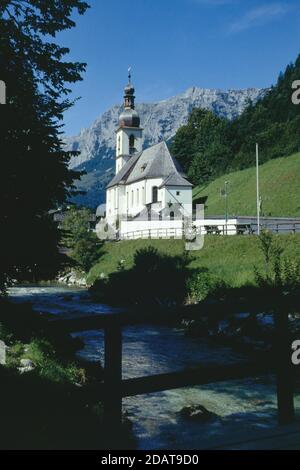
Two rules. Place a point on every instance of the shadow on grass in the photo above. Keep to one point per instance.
(155, 280)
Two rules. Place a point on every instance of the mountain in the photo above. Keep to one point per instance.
(160, 121)
(208, 147)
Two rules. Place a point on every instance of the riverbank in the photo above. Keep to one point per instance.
(228, 258)
(148, 348)
(159, 348)
(45, 399)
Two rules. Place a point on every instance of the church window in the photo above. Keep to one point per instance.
(119, 143)
(177, 193)
(132, 198)
(154, 194)
(137, 197)
(131, 142)
(171, 215)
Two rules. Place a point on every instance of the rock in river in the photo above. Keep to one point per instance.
(197, 413)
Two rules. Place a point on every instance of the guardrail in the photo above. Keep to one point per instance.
(220, 229)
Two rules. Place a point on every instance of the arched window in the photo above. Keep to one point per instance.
(119, 144)
(131, 143)
(172, 215)
(132, 198)
(154, 194)
(137, 197)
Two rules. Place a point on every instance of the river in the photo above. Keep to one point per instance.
(149, 349)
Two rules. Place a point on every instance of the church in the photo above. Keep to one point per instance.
(149, 183)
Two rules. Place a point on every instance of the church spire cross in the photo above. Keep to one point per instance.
(129, 75)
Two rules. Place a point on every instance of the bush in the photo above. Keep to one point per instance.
(43, 355)
(204, 284)
(154, 278)
(281, 274)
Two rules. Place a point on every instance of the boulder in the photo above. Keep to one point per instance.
(197, 413)
(26, 365)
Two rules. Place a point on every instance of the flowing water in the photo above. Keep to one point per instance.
(239, 406)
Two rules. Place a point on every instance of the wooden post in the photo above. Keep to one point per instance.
(285, 392)
(113, 376)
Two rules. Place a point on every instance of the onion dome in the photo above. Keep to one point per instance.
(129, 117)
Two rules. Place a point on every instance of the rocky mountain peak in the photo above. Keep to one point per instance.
(160, 120)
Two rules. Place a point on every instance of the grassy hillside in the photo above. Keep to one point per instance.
(230, 258)
(279, 185)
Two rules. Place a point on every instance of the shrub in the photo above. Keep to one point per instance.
(154, 278)
(204, 284)
(281, 273)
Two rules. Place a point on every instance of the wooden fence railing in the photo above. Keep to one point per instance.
(114, 388)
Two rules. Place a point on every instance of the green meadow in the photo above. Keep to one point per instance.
(231, 258)
(279, 188)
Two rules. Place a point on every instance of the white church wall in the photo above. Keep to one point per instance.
(112, 204)
(131, 199)
(140, 193)
(151, 183)
(121, 161)
(170, 195)
(135, 198)
(123, 135)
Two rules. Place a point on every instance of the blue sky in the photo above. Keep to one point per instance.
(175, 44)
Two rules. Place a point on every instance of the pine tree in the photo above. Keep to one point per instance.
(34, 176)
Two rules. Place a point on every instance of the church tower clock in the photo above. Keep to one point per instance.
(129, 132)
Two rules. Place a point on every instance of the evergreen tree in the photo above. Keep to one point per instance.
(209, 146)
(83, 244)
(202, 146)
(34, 175)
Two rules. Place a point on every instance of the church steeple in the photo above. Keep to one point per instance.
(129, 117)
(129, 93)
(129, 133)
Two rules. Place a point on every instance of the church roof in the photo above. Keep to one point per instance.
(153, 162)
(121, 176)
(175, 179)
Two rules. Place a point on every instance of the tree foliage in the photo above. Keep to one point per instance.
(208, 146)
(83, 244)
(34, 175)
(202, 146)
(282, 273)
